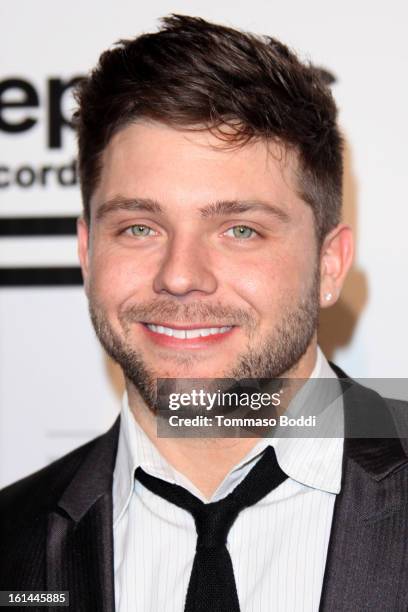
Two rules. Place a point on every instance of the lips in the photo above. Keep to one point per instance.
(188, 332)
(186, 336)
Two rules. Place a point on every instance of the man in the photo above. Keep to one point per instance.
(211, 173)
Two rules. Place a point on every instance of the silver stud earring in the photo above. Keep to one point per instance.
(328, 296)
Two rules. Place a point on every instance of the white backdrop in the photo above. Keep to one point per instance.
(57, 390)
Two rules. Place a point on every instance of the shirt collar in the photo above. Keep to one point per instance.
(134, 449)
(317, 461)
(314, 462)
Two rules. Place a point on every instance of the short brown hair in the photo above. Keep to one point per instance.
(192, 73)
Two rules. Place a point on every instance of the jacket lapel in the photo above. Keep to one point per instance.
(79, 533)
(367, 560)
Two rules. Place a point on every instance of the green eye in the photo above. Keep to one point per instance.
(140, 230)
(242, 231)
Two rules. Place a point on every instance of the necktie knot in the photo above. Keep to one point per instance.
(213, 522)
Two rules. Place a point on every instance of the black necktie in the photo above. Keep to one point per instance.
(212, 584)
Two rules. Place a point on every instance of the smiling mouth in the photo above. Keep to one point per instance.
(187, 333)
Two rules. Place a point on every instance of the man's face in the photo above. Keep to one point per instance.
(202, 261)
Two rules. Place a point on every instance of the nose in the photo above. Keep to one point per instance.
(186, 267)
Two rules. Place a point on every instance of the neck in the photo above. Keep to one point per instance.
(205, 461)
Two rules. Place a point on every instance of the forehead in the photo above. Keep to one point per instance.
(153, 160)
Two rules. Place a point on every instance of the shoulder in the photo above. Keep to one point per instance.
(37, 494)
(399, 412)
(398, 406)
(365, 404)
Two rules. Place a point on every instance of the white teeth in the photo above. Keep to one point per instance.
(193, 333)
(179, 333)
(167, 331)
(182, 334)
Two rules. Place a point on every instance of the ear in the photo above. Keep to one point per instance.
(335, 261)
(83, 250)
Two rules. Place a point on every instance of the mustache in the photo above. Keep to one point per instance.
(195, 312)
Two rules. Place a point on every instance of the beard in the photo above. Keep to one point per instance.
(276, 354)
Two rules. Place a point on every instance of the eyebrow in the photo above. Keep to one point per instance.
(227, 207)
(128, 204)
(217, 209)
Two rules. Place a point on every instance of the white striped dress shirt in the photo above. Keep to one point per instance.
(278, 546)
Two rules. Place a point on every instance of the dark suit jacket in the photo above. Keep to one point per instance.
(56, 525)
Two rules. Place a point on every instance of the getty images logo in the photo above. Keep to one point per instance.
(22, 108)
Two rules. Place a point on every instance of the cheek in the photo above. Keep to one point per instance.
(266, 282)
(115, 277)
